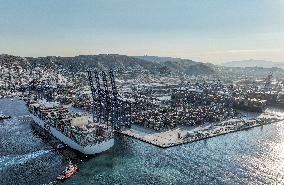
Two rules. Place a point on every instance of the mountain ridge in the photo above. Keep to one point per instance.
(121, 63)
(253, 63)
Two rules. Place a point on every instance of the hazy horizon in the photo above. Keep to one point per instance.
(219, 63)
(206, 31)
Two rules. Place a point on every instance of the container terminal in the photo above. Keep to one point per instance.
(163, 111)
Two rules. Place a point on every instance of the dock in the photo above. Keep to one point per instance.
(179, 136)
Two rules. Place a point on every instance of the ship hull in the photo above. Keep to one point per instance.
(89, 149)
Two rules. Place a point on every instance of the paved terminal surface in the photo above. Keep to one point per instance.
(186, 134)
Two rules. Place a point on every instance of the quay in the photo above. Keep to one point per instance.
(183, 135)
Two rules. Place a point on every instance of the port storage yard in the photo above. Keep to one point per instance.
(195, 112)
(167, 115)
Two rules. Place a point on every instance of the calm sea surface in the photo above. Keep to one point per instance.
(27, 156)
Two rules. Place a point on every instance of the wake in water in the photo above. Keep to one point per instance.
(7, 161)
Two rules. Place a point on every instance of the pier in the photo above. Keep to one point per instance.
(182, 135)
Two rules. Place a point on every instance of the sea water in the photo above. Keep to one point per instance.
(27, 156)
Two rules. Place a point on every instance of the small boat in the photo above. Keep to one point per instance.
(60, 146)
(2, 117)
(68, 172)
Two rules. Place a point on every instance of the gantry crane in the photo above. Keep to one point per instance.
(268, 81)
(109, 107)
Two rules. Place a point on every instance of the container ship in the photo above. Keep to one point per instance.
(77, 131)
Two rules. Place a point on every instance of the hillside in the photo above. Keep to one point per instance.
(120, 63)
(180, 66)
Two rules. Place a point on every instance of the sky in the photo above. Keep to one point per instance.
(202, 30)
